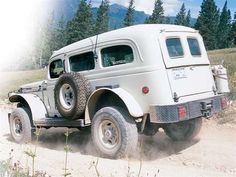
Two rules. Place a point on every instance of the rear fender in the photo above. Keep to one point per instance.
(35, 104)
(131, 104)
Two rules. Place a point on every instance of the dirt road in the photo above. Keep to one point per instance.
(212, 155)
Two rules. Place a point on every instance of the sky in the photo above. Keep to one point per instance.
(171, 7)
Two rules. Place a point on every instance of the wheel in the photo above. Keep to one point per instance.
(114, 132)
(185, 130)
(20, 126)
(71, 93)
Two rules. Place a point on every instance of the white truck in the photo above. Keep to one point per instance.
(121, 83)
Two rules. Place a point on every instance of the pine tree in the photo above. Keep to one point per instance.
(223, 34)
(45, 42)
(59, 34)
(157, 14)
(188, 18)
(80, 26)
(167, 20)
(207, 23)
(102, 17)
(129, 17)
(181, 16)
(233, 31)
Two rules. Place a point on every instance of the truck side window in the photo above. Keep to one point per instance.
(174, 47)
(117, 55)
(82, 62)
(56, 69)
(194, 46)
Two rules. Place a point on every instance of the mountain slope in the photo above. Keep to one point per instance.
(117, 12)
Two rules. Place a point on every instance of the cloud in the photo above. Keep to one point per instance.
(171, 7)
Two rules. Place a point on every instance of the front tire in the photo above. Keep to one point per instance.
(183, 131)
(20, 126)
(114, 132)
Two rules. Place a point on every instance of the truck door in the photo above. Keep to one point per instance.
(55, 69)
(187, 64)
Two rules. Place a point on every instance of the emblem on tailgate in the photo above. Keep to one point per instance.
(179, 73)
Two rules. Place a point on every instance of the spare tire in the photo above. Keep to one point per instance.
(71, 93)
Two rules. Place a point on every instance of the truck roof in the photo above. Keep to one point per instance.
(136, 32)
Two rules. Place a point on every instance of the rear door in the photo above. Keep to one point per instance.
(187, 63)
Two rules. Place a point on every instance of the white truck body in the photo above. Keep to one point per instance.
(189, 77)
(158, 73)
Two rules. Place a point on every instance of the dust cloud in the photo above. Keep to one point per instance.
(149, 148)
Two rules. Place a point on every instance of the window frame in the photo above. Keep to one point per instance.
(77, 54)
(194, 38)
(63, 66)
(181, 44)
(116, 45)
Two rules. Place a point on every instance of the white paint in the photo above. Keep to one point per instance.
(36, 105)
(132, 105)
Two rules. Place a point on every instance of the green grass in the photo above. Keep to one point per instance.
(10, 81)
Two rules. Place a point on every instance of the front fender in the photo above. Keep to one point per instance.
(132, 105)
(36, 105)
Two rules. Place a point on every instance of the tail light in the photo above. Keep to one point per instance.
(223, 102)
(145, 90)
(182, 112)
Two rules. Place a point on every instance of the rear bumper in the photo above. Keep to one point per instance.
(194, 109)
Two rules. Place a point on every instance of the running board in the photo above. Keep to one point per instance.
(59, 122)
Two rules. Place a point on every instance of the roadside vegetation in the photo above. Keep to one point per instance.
(10, 81)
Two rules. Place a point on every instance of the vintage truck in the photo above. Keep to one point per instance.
(132, 80)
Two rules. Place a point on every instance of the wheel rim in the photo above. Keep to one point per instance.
(67, 96)
(17, 126)
(109, 134)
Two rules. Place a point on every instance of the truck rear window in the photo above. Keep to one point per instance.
(117, 55)
(194, 46)
(174, 47)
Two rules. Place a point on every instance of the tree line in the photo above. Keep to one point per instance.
(216, 26)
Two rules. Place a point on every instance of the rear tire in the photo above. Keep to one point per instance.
(114, 132)
(185, 130)
(20, 126)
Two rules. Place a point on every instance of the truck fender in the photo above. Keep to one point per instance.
(35, 104)
(132, 105)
